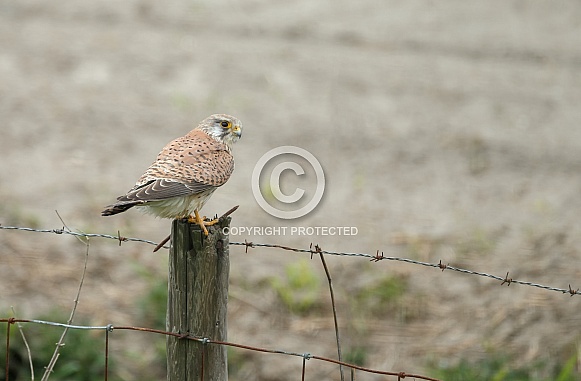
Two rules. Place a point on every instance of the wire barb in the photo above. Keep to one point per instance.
(378, 257)
(506, 280)
(317, 250)
(442, 265)
(120, 238)
(247, 244)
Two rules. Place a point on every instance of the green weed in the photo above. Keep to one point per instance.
(498, 367)
(300, 289)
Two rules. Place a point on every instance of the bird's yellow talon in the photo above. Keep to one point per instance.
(210, 223)
(201, 221)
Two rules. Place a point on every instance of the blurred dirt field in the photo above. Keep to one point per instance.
(447, 131)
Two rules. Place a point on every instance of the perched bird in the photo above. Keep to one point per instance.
(186, 173)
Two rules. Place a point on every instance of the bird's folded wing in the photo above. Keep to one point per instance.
(162, 189)
(187, 165)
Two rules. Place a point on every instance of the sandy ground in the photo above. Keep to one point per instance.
(447, 131)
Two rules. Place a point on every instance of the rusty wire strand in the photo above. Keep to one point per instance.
(23, 336)
(306, 356)
(202, 361)
(107, 331)
(334, 309)
(10, 322)
(375, 258)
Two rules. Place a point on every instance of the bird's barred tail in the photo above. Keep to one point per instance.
(119, 207)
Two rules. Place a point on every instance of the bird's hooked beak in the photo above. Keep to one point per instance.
(236, 130)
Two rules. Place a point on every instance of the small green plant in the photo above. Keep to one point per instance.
(300, 289)
(569, 371)
(13, 214)
(237, 360)
(382, 295)
(356, 355)
(80, 358)
(498, 367)
(153, 305)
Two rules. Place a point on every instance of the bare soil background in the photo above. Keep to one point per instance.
(447, 130)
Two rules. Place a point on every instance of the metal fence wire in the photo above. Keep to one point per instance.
(109, 329)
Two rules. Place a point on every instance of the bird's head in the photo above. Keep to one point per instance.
(222, 127)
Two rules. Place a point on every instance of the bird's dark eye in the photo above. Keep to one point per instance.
(226, 124)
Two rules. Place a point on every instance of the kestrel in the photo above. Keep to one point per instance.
(186, 173)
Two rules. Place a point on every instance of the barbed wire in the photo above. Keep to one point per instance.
(315, 250)
(109, 328)
(65, 231)
(311, 250)
(380, 257)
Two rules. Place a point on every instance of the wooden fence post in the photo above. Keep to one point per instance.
(197, 302)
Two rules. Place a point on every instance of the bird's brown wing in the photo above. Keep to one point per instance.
(153, 190)
(207, 171)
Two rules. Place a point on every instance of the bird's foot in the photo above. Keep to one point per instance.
(201, 221)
